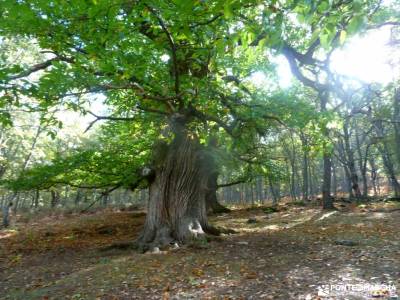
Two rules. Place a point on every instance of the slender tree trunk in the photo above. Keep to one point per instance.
(334, 179)
(251, 193)
(327, 201)
(259, 189)
(350, 160)
(7, 205)
(326, 187)
(362, 161)
(55, 198)
(126, 197)
(291, 153)
(230, 195)
(78, 197)
(311, 178)
(343, 181)
(245, 193)
(275, 192)
(305, 167)
(242, 194)
(105, 199)
(15, 202)
(348, 181)
(66, 195)
(390, 169)
(396, 123)
(32, 201)
(387, 161)
(344, 160)
(264, 190)
(289, 170)
(373, 175)
(293, 181)
(37, 196)
(6, 214)
(23, 200)
(15, 196)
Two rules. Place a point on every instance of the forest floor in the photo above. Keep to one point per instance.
(293, 253)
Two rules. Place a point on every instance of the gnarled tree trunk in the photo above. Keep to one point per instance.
(176, 207)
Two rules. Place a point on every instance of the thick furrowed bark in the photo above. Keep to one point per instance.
(177, 208)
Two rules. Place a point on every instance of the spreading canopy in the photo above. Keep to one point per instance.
(161, 61)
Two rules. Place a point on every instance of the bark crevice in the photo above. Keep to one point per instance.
(177, 207)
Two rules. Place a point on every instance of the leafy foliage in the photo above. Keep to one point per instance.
(156, 61)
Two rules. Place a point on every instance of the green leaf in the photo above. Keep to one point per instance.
(342, 37)
(228, 13)
(325, 40)
(323, 6)
(355, 24)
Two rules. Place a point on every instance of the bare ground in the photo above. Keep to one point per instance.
(289, 254)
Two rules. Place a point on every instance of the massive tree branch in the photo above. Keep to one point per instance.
(225, 101)
(172, 46)
(293, 57)
(207, 22)
(103, 194)
(231, 78)
(231, 183)
(99, 118)
(205, 117)
(33, 69)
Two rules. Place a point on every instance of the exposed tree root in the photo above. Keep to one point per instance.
(217, 208)
(187, 233)
(216, 231)
(120, 246)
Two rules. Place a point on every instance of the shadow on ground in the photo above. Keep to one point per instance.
(287, 254)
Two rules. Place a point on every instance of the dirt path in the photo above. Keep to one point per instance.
(282, 255)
